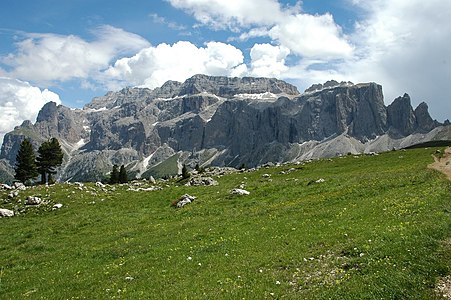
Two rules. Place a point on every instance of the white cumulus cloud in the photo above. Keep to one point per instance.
(268, 60)
(312, 36)
(304, 34)
(404, 45)
(232, 13)
(51, 57)
(153, 66)
(20, 101)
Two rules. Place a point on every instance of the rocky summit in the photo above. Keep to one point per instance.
(221, 121)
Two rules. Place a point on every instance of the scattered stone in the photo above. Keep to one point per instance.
(266, 175)
(13, 194)
(19, 186)
(33, 200)
(149, 189)
(4, 213)
(184, 200)
(239, 192)
(202, 181)
(4, 186)
(57, 206)
(80, 185)
(152, 180)
(321, 180)
(129, 278)
(99, 184)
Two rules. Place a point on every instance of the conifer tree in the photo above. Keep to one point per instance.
(50, 157)
(185, 173)
(26, 169)
(114, 177)
(123, 175)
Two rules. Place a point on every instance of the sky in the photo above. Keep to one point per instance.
(71, 51)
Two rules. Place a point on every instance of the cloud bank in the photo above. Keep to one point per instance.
(20, 101)
(153, 66)
(45, 58)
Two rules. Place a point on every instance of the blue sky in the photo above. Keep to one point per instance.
(72, 51)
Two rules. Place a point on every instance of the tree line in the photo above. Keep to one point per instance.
(29, 166)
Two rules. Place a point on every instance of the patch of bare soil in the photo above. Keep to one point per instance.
(443, 287)
(443, 163)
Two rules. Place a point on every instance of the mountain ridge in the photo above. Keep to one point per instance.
(222, 121)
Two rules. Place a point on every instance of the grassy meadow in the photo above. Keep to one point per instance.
(377, 227)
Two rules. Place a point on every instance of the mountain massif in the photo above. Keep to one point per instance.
(221, 121)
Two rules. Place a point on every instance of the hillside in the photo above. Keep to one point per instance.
(222, 121)
(354, 227)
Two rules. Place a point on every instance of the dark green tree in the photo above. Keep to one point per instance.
(123, 175)
(50, 156)
(26, 169)
(114, 177)
(185, 173)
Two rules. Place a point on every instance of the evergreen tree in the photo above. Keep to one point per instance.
(114, 177)
(123, 175)
(50, 157)
(185, 173)
(26, 162)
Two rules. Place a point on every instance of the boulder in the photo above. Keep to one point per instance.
(4, 186)
(19, 186)
(99, 184)
(239, 192)
(13, 194)
(33, 200)
(6, 213)
(184, 200)
(202, 181)
(57, 206)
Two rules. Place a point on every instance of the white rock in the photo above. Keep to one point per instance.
(152, 180)
(266, 175)
(321, 180)
(6, 187)
(6, 213)
(19, 186)
(57, 206)
(32, 200)
(13, 194)
(184, 200)
(240, 192)
(99, 184)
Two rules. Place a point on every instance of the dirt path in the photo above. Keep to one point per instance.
(443, 164)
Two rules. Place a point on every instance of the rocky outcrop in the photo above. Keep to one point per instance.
(220, 121)
(401, 117)
(403, 120)
(424, 122)
(229, 87)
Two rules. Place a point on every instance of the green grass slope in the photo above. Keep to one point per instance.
(378, 227)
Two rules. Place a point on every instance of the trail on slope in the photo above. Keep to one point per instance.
(443, 164)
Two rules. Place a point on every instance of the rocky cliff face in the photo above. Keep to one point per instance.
(219, 121)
